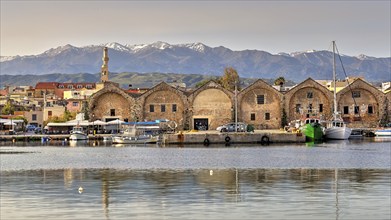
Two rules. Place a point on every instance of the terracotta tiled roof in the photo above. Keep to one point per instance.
(46, 85)
(3, 92)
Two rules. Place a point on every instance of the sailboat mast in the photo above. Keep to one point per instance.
(335, 83)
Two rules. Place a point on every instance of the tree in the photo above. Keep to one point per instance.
(284, 118)
(229, 79)
(8, 108)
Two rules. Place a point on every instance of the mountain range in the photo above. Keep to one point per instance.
(195, 58)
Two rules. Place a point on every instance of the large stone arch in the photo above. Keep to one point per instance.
(266, 114)
(168, 103)
(111, 97)
(370, 102)
(213, 103)
(308, 98)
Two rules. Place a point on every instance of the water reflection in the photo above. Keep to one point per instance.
(198, 193)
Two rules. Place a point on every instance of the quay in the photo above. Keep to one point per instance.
(263, 137)
(186, 137)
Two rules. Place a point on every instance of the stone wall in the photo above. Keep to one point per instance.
(369, 101)
(215, 105)
(265, 115)
(307, 99)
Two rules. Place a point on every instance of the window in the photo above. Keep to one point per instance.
(356, 94)
(252, 117)
(260, 99)
(370, 109)
(79, 86)
(151, 108)
(89, 86)
(310, 95)
(75, 104)
(346, 110)
(267, 116)
(50, 113)
(320, 107)
(174, 108)
(70, 86)
(61, 86)
(112, 112)
(298, 107)
(163, 108)
(356, 109)
(34, 117)
(310, 108)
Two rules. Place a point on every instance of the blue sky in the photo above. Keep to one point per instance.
(359, 27)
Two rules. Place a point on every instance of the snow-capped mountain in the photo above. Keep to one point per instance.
(194, 58)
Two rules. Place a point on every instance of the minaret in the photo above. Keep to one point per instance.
(104, 75)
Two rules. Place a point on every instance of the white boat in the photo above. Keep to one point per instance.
(383, 132)
(130, 136)
(77, 133)
(140, 139)
(336, 128)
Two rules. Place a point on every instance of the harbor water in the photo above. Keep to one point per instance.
(97, 180)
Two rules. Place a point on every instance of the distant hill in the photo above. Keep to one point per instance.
(195, 58)
(137, 80)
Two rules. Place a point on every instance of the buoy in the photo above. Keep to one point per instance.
(80, 189)
(211, 172)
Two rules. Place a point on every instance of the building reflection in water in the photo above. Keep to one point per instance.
(140, 190)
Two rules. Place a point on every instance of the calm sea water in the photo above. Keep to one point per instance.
(61, 180)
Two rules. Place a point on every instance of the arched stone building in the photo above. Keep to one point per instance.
(260, 105)
(210, 106)
(164, 102)
(112, 103)
(367, 107)
(307, 99)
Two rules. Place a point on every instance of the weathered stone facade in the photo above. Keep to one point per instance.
(307, 99)
(386, 118)
(210, 106)
(260, 105)
(111, 102)
(365, 109)
(164, 102)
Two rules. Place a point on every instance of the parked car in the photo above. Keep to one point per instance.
(230, 127)
(38, 130)
(30, 128)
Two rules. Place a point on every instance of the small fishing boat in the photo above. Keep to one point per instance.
(78, 133)
(131, 136)
(312, 129)
(140, 139)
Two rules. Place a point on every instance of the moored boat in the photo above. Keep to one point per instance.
(312, 129)
(336, 128)
(78, 133)
(383, 132)
(141, 139)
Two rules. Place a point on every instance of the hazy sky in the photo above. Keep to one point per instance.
(359, 27)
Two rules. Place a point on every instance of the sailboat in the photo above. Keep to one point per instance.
(336, 128)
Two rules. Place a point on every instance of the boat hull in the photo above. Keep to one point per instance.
(78, 136)
(312, 132)
(134, 140)
(386, 132)
(338, 133)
